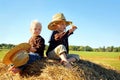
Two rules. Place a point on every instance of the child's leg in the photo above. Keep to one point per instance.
(65, 61)
(33, 57)
(63, 57)
(60, 53)
(73, 57)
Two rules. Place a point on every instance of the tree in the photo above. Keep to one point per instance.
(88, 48)
(115, 49)
(109, 49)
(6, 46)
(81, 48)
(118, 49)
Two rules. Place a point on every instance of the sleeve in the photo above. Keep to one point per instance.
(41, 45)
(62, 35)
(30, 41)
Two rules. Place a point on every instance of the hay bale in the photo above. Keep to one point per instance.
(52, 70)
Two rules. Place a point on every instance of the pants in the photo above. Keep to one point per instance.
(32, 58)
(54, 54)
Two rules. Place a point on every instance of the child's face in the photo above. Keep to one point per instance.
(61, 26)
(36, 30)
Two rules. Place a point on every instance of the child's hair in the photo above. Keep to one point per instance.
(35, 23)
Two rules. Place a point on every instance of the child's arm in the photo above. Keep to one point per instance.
(72, 29)
(59, 36)
(31, 42)
(32, 49)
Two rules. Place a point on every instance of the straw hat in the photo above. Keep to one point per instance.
(57, 18)
(18, 55)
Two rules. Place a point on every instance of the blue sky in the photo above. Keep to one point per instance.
(98, 21)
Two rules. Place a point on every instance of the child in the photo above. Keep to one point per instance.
(36, 41)
(58, 48)
(19, 57)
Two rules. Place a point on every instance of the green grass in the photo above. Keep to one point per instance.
(3, 52)
(106, 58)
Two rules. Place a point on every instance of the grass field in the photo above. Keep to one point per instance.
(111, 59)
(2, 53)
(105, 58)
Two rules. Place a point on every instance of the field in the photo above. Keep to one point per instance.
(111, 59)
(2, 53)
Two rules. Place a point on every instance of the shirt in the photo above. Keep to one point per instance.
(58, 38)
(38, 43)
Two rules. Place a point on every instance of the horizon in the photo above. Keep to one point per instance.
(69, 45)
(98, 21)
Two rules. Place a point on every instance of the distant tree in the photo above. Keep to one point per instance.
(81, 48)
(0, 46)
(112, 47)
(118, 49)
(70, 47)
(101, 49)
(96, 50)
(88, 48)
(115, 49)
(6, 46)
(9, 46)
(75, 48)
(104, 49)
(109, 49)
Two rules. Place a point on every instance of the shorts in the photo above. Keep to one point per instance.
(54, 54)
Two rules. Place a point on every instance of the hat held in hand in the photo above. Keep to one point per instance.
(18, 55)
(57, 18)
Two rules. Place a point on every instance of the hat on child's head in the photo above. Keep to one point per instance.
(57, 18)
(18, 55)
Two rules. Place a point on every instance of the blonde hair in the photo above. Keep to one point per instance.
(35, 23)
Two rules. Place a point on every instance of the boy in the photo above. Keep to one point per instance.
(36, 41)
(59, 47)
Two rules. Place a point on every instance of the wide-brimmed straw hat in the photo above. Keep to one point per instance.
(57, 18)
(18, 55)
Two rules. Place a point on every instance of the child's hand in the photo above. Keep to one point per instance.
(72, 29)
(14, 70)
(32, 49)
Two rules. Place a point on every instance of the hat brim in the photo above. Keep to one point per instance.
(52, 25)
(7, 58)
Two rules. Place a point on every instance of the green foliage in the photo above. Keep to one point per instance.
(100, 49)
(74, 48)
(88, 48)
(6, 46)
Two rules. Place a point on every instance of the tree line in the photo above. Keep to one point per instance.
(100, 49)
(74, 48)
(6, 46)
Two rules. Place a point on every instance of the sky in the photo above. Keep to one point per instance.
(98, 21)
